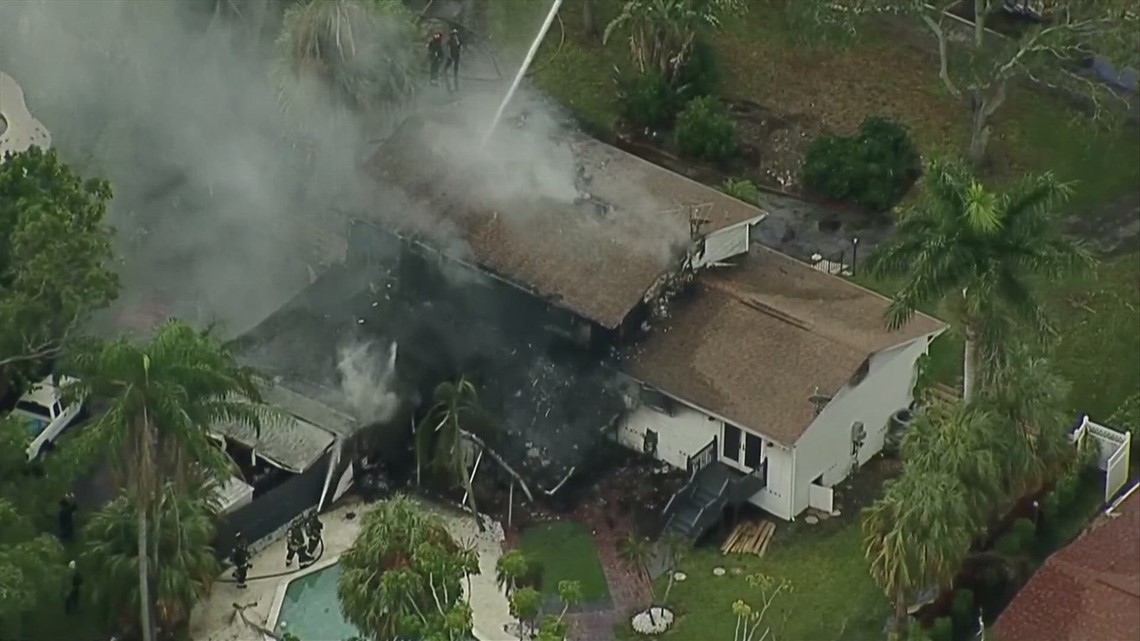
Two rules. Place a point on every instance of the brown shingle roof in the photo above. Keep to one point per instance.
(756, 341)
(1088, 590)
(594, 262)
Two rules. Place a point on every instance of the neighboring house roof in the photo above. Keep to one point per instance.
(18, 128)
(755, 341)
(306, 402)
(580, 254)
(1088, 590)
(292, 444)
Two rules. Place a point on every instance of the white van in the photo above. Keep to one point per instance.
(45, 414)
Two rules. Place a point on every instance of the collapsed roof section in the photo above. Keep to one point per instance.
(593, 242)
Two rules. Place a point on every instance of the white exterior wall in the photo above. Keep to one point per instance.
(825, 448)
(688, 430)
(678, 436)
(726, 243)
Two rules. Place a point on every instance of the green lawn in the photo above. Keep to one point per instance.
(566, 551)
(1097, 317)
(882, 75)
(832, 596)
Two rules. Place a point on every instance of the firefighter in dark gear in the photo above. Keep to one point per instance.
(240, 558)
(295, 545)
(313, 530)
(435, 56)
(454, 45)
(71, 603)
(67, 508)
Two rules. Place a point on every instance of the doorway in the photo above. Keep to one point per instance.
(730, 448)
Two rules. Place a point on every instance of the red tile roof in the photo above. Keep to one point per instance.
(1088, 591)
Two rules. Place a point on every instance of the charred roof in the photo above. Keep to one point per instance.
(595, 252)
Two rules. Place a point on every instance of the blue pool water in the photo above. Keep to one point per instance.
(311, 610)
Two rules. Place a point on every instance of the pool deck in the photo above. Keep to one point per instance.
(216, 618)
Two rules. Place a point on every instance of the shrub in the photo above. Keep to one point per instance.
(705, 130)
(873, 170)
(1127, 418)
(700, 75)
(1025, 530)
(942, 630)
(742, 189)
(646, 100)
(962, 609)
(533, 576)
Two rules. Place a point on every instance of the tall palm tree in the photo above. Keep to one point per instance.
(163, 398)
(979, 251)
(361, 52)
(439, 437)
(182, 530)
(511, 568)
(916, 535)
(662, 32)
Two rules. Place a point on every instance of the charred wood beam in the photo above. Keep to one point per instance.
(498, 459)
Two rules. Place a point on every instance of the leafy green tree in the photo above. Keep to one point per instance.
(662, 33)
(163, 397)
(185, 565)
(570, 593)
(1127, 418)
(56, 258)
(510, 569)
(525, 604)
(363, 52)
(33, 562)
(981, 71)
(403, 576)
(980, 252)
(440, 441)
(916, 535)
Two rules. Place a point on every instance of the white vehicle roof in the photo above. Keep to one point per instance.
(45, 392)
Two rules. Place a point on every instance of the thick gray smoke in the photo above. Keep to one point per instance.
(222, 204)
(367, 379)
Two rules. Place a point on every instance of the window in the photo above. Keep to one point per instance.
(657, 400)
(650, 443)
(56, 410)
(33, 408)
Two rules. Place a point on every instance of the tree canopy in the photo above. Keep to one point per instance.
(981, 69)
(980, 252)
(403, 576)
(56, 257)
(662, 33)
(362, 51)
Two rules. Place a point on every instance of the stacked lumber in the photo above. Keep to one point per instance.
(749, 537)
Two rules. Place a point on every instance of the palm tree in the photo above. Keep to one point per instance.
(404, 570)
(916, 535)
(361, 52)
(439, 437)
(637, 552)
(662, 32)
(960, 440)
(163, 397)
(185, 563)
(510, 569)
(979, 251)
(1028, 395)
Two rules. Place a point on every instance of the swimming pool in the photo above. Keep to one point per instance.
(310, 609)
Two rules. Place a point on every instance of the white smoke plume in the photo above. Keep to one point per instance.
(367, 379)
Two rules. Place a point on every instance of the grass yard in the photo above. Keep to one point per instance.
(835, 88)
(567, 553)
(832, 597)
(1096, 317)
